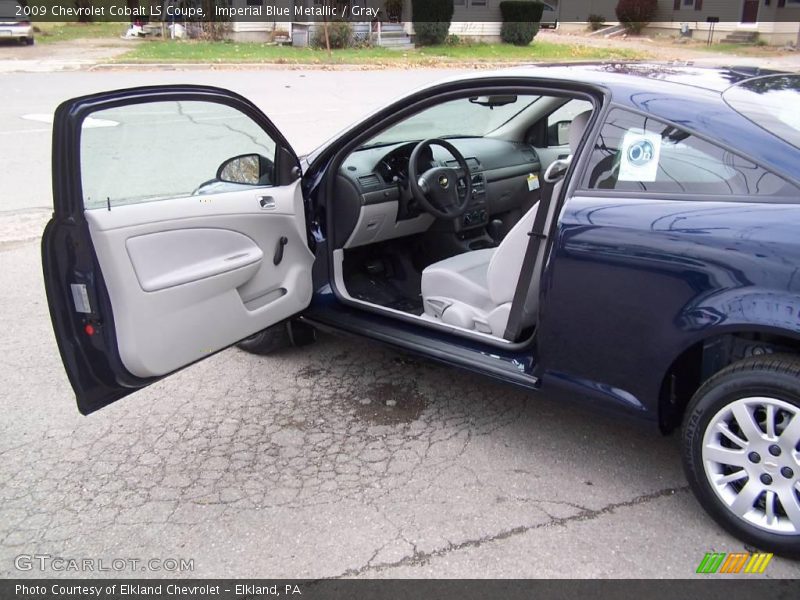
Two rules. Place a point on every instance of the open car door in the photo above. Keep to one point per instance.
(178, 230)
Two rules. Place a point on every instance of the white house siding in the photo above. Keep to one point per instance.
(260, 31)
(769, 29)
(577, 11)
(483, 30)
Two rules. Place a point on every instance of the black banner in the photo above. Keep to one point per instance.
(708, 588)
(369, 11)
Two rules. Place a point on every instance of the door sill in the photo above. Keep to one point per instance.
(328, 314)
(340, 289)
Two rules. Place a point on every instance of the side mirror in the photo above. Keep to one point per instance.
(248, 169)
(558, 133)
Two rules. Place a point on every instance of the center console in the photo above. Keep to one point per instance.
(477, 213)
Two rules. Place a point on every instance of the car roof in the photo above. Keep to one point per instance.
(687, 95)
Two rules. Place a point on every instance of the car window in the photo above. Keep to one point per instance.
(558, 123)
(638, 153)
(770, 102)
(162, 150)
(464, 117)
(9, 10)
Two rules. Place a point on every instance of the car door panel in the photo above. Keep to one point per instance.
(176, 257)
(145, 276)
(184, 287)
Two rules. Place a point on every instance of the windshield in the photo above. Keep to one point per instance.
(8, 10)
(771, 102)
(456, 118)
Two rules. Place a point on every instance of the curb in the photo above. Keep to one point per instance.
(305, 66)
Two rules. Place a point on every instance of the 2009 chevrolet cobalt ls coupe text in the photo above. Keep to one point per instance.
(625, 234)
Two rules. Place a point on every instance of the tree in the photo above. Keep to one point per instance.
(84, 16)
(521, 19)
(635, 15)
(432, 20)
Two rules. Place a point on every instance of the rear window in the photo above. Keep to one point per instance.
(771, 102)
(8, 10)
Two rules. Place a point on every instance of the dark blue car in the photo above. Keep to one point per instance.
(627, 235)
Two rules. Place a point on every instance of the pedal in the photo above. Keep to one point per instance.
(375, 267)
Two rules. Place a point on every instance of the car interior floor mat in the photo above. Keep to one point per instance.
(383, 292)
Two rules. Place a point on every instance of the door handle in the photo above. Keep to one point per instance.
(279, 251)
(267, 202)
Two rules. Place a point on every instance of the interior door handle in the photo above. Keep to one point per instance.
(279, 251)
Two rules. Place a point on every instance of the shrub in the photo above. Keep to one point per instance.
(431, 20)
(596, 22)
(340, 35)
(635, 15)
(521, 20)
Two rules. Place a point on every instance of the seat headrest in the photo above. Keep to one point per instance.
(577, 129)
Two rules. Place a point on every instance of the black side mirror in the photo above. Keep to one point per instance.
(247, 169)
(558, 133)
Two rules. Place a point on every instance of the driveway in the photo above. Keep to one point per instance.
(60, 56)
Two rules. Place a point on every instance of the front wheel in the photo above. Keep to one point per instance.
(279, 337)
(741, 451)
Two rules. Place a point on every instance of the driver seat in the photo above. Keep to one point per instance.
(475, 290)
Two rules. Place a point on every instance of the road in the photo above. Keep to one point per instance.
(342, 459)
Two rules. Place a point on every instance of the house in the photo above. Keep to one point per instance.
(776, 22)
(478, 19)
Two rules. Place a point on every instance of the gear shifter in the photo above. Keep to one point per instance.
(495, 229)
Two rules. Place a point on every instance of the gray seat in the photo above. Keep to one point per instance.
(475, 290)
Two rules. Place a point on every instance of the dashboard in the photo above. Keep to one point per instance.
(374, 202)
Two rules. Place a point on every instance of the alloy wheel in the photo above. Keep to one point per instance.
(751, 457)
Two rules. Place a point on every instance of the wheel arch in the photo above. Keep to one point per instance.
(701, 358)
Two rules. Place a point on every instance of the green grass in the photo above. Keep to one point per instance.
(61, 32)
(229, 52)
(743, 49)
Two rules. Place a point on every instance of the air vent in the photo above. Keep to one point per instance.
(472, 163)
(369, 182)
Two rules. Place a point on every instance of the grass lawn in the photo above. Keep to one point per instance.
(60, 32)
(743, 49)
(229, 52)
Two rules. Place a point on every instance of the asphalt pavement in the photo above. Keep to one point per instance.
(343, 459)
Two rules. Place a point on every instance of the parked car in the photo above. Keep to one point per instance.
(621, 234)
(14, 25)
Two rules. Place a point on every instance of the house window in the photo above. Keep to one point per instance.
(470, 2)
(687, 5)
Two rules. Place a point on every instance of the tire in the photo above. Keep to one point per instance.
(270, 340)
(29, 41)
(741, 451)
(284, 335)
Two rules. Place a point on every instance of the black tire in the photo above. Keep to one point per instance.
(29, 41)
(745, 383)
(270, 340)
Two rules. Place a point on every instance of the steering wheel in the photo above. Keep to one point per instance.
(437, 189)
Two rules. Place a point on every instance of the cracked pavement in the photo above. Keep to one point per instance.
(343, 459)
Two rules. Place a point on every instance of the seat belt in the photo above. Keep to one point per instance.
(534, 256)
